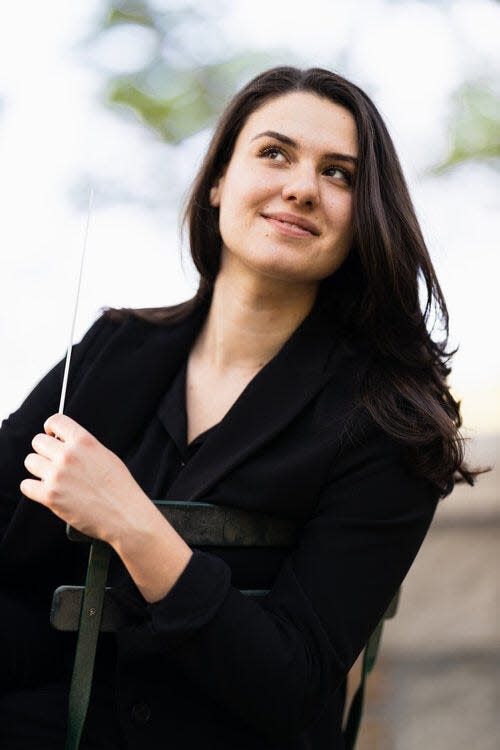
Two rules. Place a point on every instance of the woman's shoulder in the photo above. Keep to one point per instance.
(154, 316)
(119, 330)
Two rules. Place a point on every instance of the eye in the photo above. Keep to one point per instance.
(347, 176)
(272, 152)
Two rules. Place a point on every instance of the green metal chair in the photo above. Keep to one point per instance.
(88, 609)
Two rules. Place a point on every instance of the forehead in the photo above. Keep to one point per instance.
(311, 120)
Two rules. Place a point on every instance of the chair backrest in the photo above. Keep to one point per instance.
(91, 608)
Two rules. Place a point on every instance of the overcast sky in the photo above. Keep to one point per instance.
(56, 137)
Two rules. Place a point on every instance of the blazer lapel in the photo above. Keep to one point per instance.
(279, 391)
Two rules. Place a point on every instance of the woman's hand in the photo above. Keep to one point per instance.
(89, 487)
(83, 482)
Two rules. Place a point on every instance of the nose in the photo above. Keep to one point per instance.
(301, 185)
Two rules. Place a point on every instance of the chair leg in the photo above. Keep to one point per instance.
(88, 632)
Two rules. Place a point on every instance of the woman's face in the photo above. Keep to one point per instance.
(285, 199)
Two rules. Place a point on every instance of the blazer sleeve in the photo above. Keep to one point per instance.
(18, 429)
(30, 649)
(274, 662)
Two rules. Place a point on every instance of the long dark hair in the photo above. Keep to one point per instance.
(376, 294)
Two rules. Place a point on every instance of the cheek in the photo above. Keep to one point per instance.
(250, 188)
(240, 204)
(340, 217)
(340, 214)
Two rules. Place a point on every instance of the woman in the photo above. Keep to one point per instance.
(300, 380)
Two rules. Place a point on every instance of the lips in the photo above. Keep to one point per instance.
(292, 221)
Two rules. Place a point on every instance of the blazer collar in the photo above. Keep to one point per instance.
(121, 392)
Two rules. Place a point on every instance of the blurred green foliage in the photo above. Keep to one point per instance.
(176, 99)
(183, 86)
(474, 126)
(200, 96)
(130, 12)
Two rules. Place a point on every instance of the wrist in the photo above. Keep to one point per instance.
(136, 527)
(154, 554)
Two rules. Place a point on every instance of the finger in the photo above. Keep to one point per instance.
(32, 489)
(47, 446)
(37, 465)
(64, 428)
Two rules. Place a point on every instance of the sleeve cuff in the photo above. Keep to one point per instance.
(193, 600)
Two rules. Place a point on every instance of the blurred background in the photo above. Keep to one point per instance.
(121, 97)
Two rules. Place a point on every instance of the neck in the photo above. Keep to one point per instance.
(249, 320)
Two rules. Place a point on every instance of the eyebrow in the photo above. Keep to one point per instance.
(290, 142)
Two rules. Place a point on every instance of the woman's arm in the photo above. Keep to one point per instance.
(274, 662)
(30, 648)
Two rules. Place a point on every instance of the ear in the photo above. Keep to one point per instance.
(215, 192)
(214, 196)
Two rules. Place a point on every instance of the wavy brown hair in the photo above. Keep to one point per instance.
(384, 294)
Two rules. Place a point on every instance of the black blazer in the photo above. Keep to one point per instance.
(214, 668)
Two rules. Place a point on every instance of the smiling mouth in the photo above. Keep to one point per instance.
(289, 228)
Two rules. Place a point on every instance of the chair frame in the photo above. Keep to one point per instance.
(90, 609)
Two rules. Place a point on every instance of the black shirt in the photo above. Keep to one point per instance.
(162, 452)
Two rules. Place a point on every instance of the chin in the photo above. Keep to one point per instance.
(288, 267)
(281, 264)
(285, 273)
